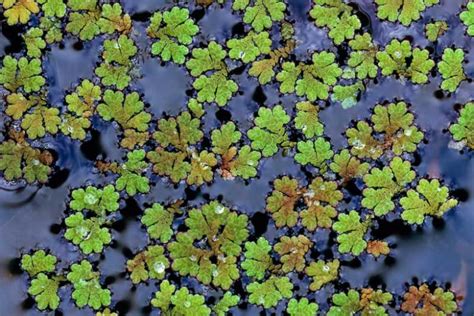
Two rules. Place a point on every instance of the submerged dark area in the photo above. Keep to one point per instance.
(440, 251)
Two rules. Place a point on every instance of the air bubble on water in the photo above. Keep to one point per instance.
(358, 144)
(159, 267)
(326, 268)
(219, 209)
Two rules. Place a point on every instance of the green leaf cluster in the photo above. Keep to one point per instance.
(392, 127)
(87, 290)
(338, 17)
(403, 11)
(269, 132)
(318, 202)
(463, 129)
(212, 76)
(117, 64)
(208, 250)
(174, 31)
(312, 80)
(261, 14)
(401, 59)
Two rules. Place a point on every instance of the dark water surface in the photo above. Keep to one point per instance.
(442, 250)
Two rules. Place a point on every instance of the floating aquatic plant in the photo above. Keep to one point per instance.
(199, 252)
(338, 16)
(174, 30)
(463, 129)
(403, 11)
(401, 59)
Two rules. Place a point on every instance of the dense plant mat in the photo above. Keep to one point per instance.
(237, 157)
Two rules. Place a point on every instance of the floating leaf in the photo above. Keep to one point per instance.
(250, 47)
(257, 258)
(422, 301)
(113, 19)
(158, 221)
(38, 262)
(148, 264)
(180, 302)
(99, 201)
(19, 160)
(83, 21)
(307, 119)
(377, 248)
(215, 88)
(269, 132)
(201, 168)
(384, 183)
(126, 110)
(322, 273)
(430, 198)
(19, 11)
(435, 30)
(362, 58)
(34, 42)
(21, 73)
(45, 292)
(174, 30)
(222, 233)
(451, 69)
(467, 17)
(347, 95)
(225, 303)
(52, 28)
(399, 58)
(86, 287)
(351, 233)
(52, 8)
(403, 11)
(397, 123)
(463, 129)
(281, 203)
(88, 233)
(131, 178)
(316, 77)
(270, 292)
(301, 307)
(338, 17)
(262, 13)
(369, 303)
(82, 102)
(292, 251)
(347, 166)
(315, 153)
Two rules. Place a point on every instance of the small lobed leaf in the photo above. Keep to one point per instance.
(351, 232)
(148, 264)
(38, 262)
(322, 272)
(423, 301)
(87, 290)
(270, 292)
(463, 129)
(429, 199)
(301, 307)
